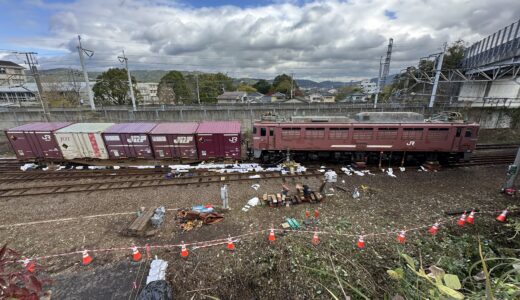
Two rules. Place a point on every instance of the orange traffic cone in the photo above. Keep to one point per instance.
(433, 230)
(184, 251)
(502, 217)
(361, 242)
(316, 213)
(471, 217)
(401, 237)
(271, 235)
(136, 255)
(307, 213)
(230, 245)
(28, 265)
(87, 259)
(462, 220)
(315, 239)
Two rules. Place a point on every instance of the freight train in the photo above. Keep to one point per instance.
(361, 140)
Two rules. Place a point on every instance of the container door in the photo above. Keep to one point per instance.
(231, 143)
(162, 146)
(48, 145)
(184, 146)
(208, 146)
(21, 145)
(115, 146)
(68, 145)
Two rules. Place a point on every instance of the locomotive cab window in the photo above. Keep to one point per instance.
(263, 131)
(468, 133)
(254, 130)
(459, 130)
(271, 131)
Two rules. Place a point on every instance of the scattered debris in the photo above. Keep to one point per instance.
(390, 172)
(355, 194)
(189, 219)
(158, 217)
(254, 176)
(402, 169)
(140, 226)
(28, 167)
(255, 186)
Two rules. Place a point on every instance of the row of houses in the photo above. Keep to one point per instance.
(256, 97)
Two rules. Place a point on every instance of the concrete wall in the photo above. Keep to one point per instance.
(476, 91)
(487, 117)
(245, 113)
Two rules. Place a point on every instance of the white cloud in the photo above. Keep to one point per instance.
(315, 40)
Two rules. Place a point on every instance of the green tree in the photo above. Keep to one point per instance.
(245, 88)
(111, 88)
(344, 91)
(174, 89)
(454, 55)
(211, 85)
(283, 84)
(262, 86)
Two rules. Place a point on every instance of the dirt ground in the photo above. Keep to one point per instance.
(256, 270)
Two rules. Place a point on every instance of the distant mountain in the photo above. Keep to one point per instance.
(63, 74)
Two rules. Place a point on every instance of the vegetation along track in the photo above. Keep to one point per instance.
(130, 184)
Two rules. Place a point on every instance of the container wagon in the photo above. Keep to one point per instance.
(129, 140)
(36, 141)
(219, 139)
(174, 140)
(82, 141)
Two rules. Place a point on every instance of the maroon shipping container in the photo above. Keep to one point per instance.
(129, 140)
(36, 140)
(219, 140)
(174, 140)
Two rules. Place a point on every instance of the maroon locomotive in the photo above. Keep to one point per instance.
(364, 141)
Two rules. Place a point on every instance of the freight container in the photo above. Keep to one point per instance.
(174, 140)
(83, 140)
(36, 140)
(219, 139)
(129, 140)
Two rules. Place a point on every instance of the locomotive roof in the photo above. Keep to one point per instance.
(175, 128)
(361, 124)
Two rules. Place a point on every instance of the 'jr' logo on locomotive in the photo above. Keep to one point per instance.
(410, 143)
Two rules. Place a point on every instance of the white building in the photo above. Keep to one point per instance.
(368, 86)
(11, 74)
(148, 91)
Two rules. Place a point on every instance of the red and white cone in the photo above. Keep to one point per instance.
(136, 255)
(401, 237)
(271, 238)
(315, 239)
(316, 213)
(230, 245)
(87, 259)
(28, 265)
(433, 230)
(307, 213)
(462, 220)
(184, 251)
(502, 217)
(361, 242)
(471, 217)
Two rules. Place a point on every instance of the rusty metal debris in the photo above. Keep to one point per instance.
(189, 219)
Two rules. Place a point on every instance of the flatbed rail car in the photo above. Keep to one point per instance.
(350, 141)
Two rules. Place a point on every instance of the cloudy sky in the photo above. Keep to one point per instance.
(320, 40)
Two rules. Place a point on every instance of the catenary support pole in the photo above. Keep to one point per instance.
(438, 68)
(89, 53)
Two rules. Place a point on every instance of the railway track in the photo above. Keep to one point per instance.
(132, 184)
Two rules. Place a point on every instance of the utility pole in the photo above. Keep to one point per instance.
(89, 53)
(438, 67)
(31, 62)
(378, 81)
(125, 60)
(512, 173)
(198, 93)
(292, 84)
